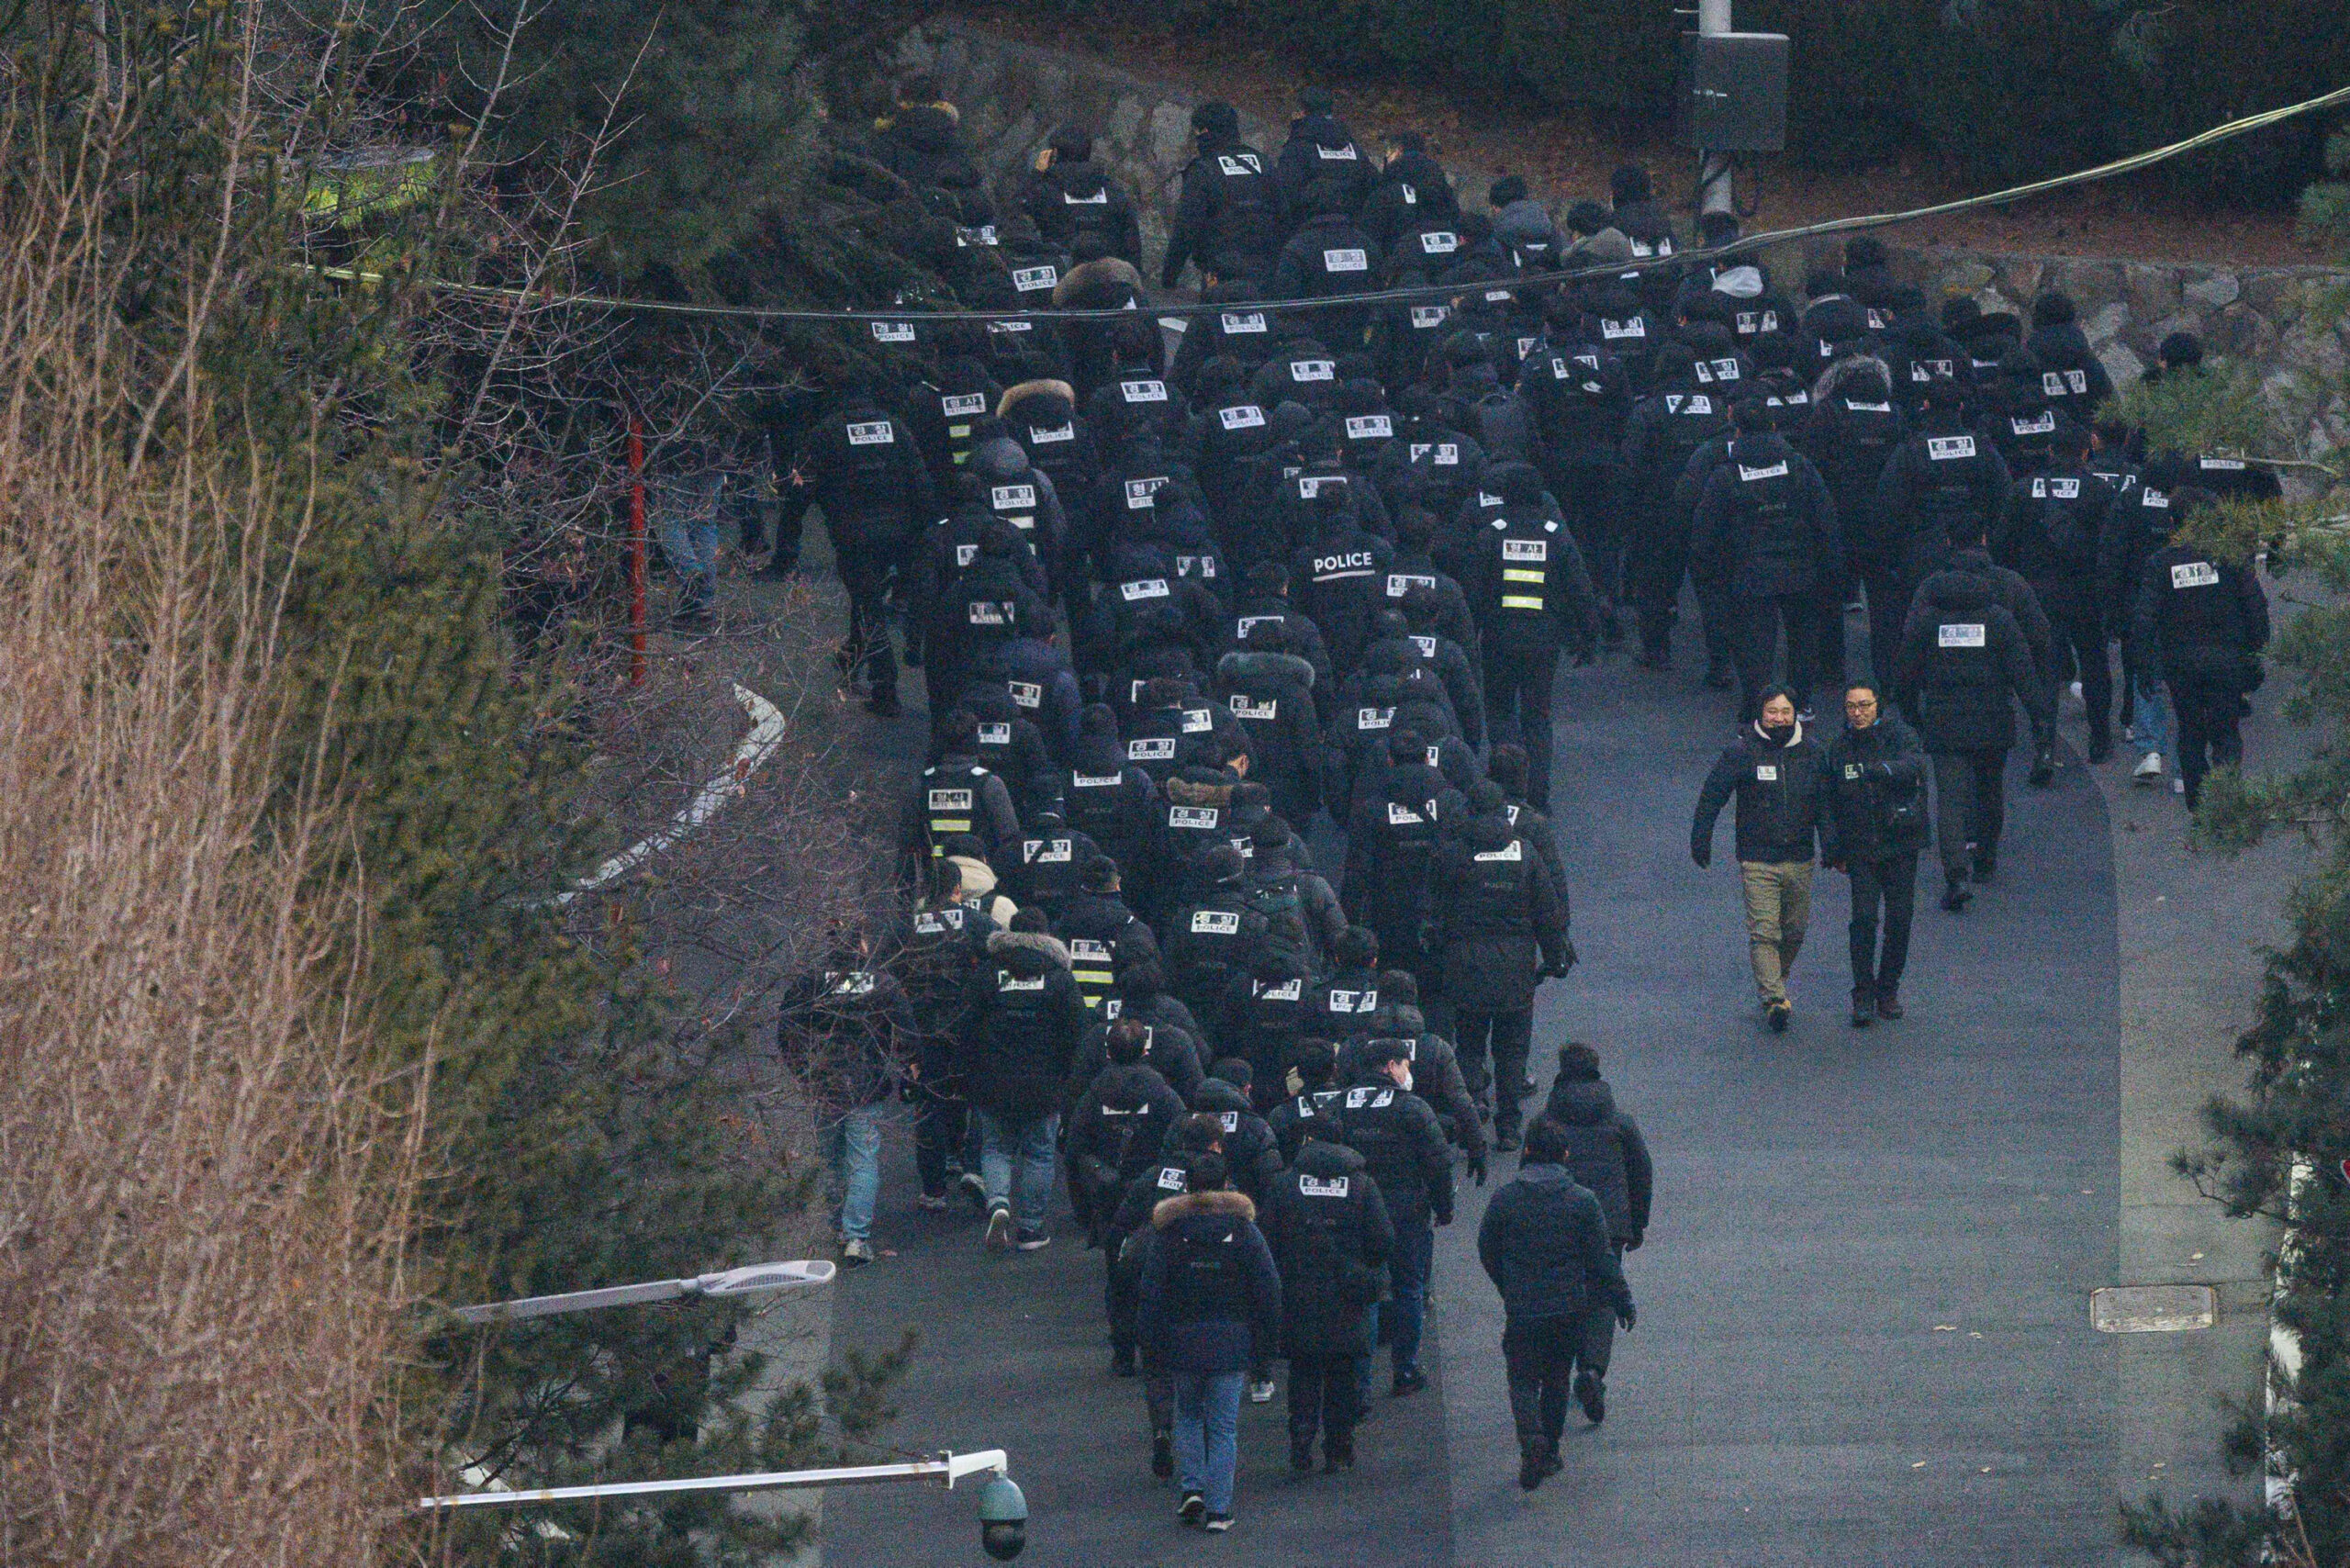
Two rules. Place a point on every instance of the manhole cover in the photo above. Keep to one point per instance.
(2153, 1309)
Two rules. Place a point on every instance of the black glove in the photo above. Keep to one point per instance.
(2043, 767)
(1625, 1315)
(1445, 1218)
(1477, 1168)
(1634, 1244)
(1703, 854)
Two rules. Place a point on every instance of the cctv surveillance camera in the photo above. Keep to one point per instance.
(1003, 1520)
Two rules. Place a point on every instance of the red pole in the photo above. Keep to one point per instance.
(635, 550)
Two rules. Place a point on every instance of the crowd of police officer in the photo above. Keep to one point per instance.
(1172, 610)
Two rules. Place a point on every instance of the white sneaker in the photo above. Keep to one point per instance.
(2076, 689)
(2149, 768)
(856, 1251)
(998, 1234)
(1261, 1393)
(2178, 786)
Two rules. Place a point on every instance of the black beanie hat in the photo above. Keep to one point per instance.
(1506, 190)
(2052, 310)
(1215, 117)
(1629, 183)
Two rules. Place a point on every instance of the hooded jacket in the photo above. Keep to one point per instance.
(1503, 919)
(1961, 660)
(1331, 1236)
(1413, 195)
(1022, 1020)
(1544, 1245)
(1605, 1154)
(1210, 1298)
(1073, 196)
(1271, 697)
(1765, 525)
(955, 795)
(1120, 1125)
(1402, 1142)
(1781, 789)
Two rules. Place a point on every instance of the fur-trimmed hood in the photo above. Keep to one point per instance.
(1836, 375)
(1043, 387)
(1184, 793)
(1033, 947)
(1243, 665)
(1103, 274)
(1221, 1203)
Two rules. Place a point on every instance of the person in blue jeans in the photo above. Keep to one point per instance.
(1209, 1307)
(845, 1029)
(1022, 1018)
(686, 520)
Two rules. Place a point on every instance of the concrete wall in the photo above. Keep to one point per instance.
(2291, 321)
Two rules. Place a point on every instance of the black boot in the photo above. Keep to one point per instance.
(1889, 1003)
(1533, 1466)
(2043, 767)
(1300, 1454)
(1591, 1395)
(1162, 1453)
(1955, 894)
(1864, 1007)
(1337, 1452)
(2100, 743)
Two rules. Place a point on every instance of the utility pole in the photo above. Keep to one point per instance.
(1713, 192)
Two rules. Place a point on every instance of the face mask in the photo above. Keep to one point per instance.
(1407, 1084)
(1777, 734)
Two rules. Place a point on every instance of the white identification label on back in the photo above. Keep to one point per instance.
(1011, 498)
(1046, 437)
(893, 332)
(1143, 391)
(1027, 693)
(1776, 471)
(1347, 259)
(1243, 321)
(1365, 427)
(1221, 923)
(1941, 448)
(1028, 280)
(1315, 1187)
(1160, 748)
(1149, 587)
(1961, 634)
(1240, 417)
(1312, 370)
(1193, 816)
(875, 433)
(967, 403)
(2194, 574)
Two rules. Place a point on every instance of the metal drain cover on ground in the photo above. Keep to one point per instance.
(2153, 1309)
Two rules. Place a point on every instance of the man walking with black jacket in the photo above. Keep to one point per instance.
(1777, 775)
(1871, 831)
(1544, 1244)
(1328, 1228)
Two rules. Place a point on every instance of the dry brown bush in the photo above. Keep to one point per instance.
(204, 1200)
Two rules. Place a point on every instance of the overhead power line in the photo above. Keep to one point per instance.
(1426, 293)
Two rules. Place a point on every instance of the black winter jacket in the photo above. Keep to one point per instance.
(1963, 659)
(1331, 1237)
(1398, 1135)
(1781, 795)
(1605, 1153)
(1022, 1020)
(1876, 793)
(1544, 1245)
(1503, 922)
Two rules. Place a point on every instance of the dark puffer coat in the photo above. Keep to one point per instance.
(1330, 1235)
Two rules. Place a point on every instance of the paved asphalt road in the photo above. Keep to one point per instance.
(1864, 1332)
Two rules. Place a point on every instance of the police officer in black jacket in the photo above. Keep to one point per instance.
(861, 465)
(1331, 1236)
(1544, 1244)
(1504, 924)
(1872, 830)
(2199, 624)
(1765, 530)
(1122, 1121)
(2050, 536)
(1963, 660)
(1403, 1145)
(1228, 219)
(1526, 583)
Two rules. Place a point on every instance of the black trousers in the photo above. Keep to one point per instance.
(1653, 572)
(1541, 1354)
(866, 567)
(1325, 1395)
(2208, 738)
(1970, 807)
(2075, 627)
(1498, 1040)
(1754, 645)
(942, 1136)
(1120, 1296)
(1518, 707)
(1888, 884)
(1828, 644)
(1599, 1330)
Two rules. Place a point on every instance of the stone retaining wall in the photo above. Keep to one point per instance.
(2293, 322)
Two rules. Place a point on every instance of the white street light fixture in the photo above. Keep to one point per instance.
(756, 1277)
(1003, 1512)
